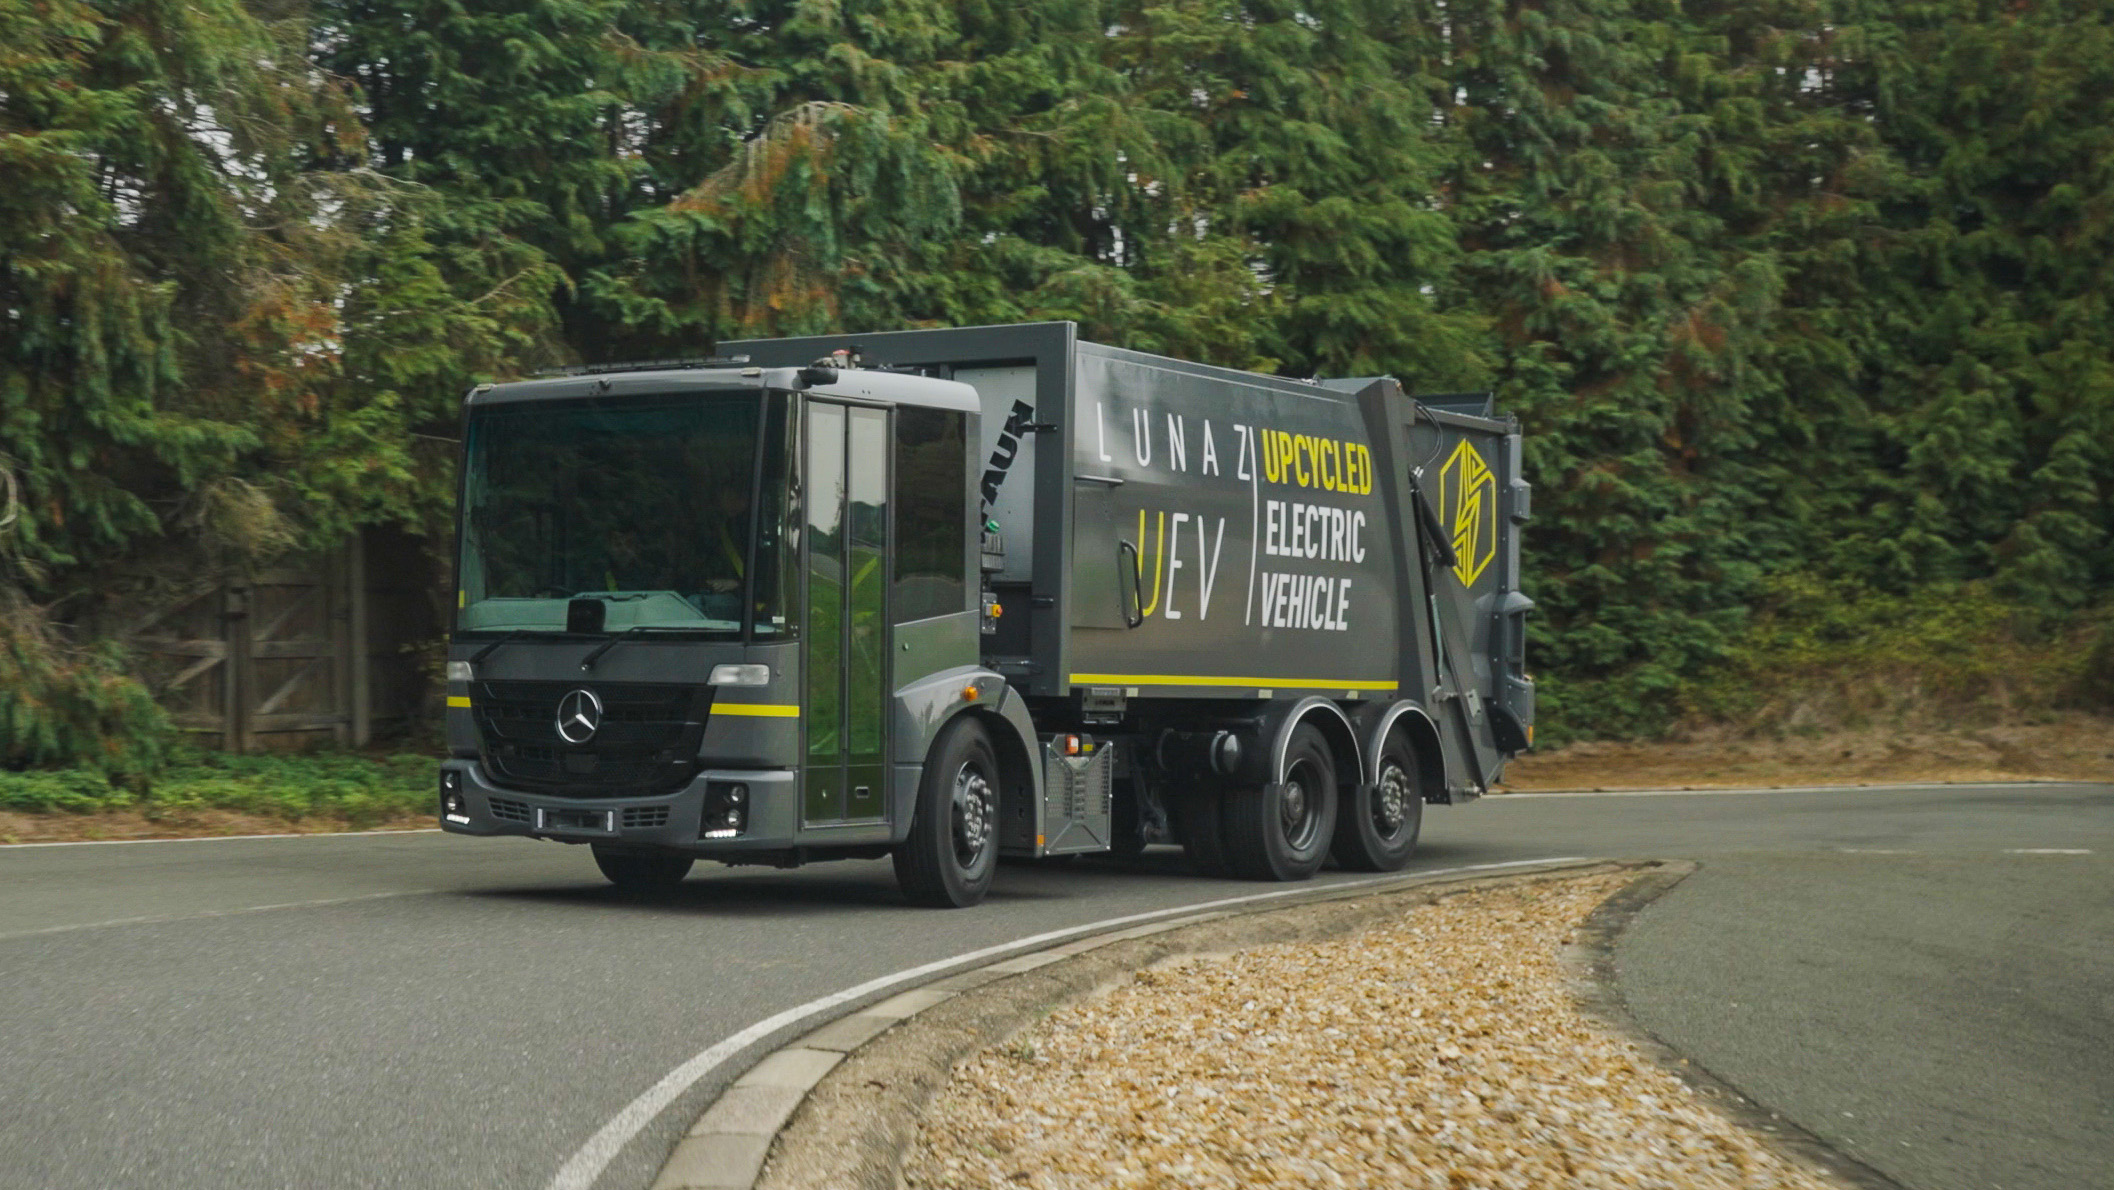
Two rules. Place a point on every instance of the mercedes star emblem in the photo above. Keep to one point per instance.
(579, 714)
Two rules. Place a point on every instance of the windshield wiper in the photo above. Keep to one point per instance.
(588, 662)
(487, 651)
(515, 634)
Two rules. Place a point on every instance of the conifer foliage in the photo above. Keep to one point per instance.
(1791, 295)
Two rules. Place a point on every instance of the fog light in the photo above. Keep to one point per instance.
(453, 807)
(724, 810)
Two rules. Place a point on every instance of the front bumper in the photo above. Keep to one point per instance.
(670, 820)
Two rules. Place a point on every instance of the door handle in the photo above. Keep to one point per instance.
(1137, 584)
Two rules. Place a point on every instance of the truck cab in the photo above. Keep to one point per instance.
(719, 612)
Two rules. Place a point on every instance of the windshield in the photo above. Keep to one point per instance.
(647, 504)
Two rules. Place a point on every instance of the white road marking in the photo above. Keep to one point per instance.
(417, 830)
(587, 1163)
(1507, 797)
(236, 912)
(2047, 851)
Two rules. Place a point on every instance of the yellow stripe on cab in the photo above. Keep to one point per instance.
(1203, 680)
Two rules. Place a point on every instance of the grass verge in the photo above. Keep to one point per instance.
(210, 793)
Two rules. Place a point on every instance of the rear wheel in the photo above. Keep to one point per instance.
(952, 852)
(1377, 829)
(643, 874)
(1283, 831)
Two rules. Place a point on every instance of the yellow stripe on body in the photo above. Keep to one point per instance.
(1201, 680)
(459, 700)
(763, 710)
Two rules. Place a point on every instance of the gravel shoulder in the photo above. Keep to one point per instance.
(1434, 1037)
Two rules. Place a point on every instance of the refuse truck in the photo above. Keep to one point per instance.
(956, 594)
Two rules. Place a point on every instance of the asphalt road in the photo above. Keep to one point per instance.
(419, 1010)
(1946, 1019)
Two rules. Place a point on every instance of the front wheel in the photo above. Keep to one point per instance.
(952, 852)
(643, 874)
(1282, 831)
(1377, 830)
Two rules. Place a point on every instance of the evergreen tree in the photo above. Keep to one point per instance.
(1800, 301)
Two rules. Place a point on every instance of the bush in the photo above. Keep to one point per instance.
(1824, 656)
(356, 790)
(73, 707)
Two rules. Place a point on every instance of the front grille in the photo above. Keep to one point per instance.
(512, 811)
(645, 817)
(646, 744)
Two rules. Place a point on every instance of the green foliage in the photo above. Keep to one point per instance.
(1784, 291)
(1826, 654)
(221, 336)
(71, 706)
(355, 791)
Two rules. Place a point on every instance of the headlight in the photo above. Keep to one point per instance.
(740, 675)
(459, 671)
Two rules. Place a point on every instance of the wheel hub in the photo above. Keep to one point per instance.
(1294, 809)
(972, 813)
(1391, 806)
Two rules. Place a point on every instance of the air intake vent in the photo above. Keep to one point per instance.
(511, 811)
(645, 817)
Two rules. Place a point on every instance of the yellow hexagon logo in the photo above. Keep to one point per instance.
(1468, 511)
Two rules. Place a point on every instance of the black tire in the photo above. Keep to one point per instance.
(643, 873)
(1203, 837)
(952, 852)
(1376, 830)
(1283, 831)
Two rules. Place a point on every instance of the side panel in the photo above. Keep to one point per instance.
(1033, 507)
(1006, 464)
(1237, 521)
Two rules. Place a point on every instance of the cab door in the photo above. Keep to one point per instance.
(846, 633)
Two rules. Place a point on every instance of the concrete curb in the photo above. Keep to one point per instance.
(726, 1149)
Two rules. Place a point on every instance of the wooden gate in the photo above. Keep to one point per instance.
(284, 655)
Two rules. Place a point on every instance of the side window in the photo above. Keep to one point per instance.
(777, 590)
(932, 512)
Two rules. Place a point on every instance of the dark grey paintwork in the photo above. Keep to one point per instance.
(932, 665)
(1210, 542)
(1167, 532)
